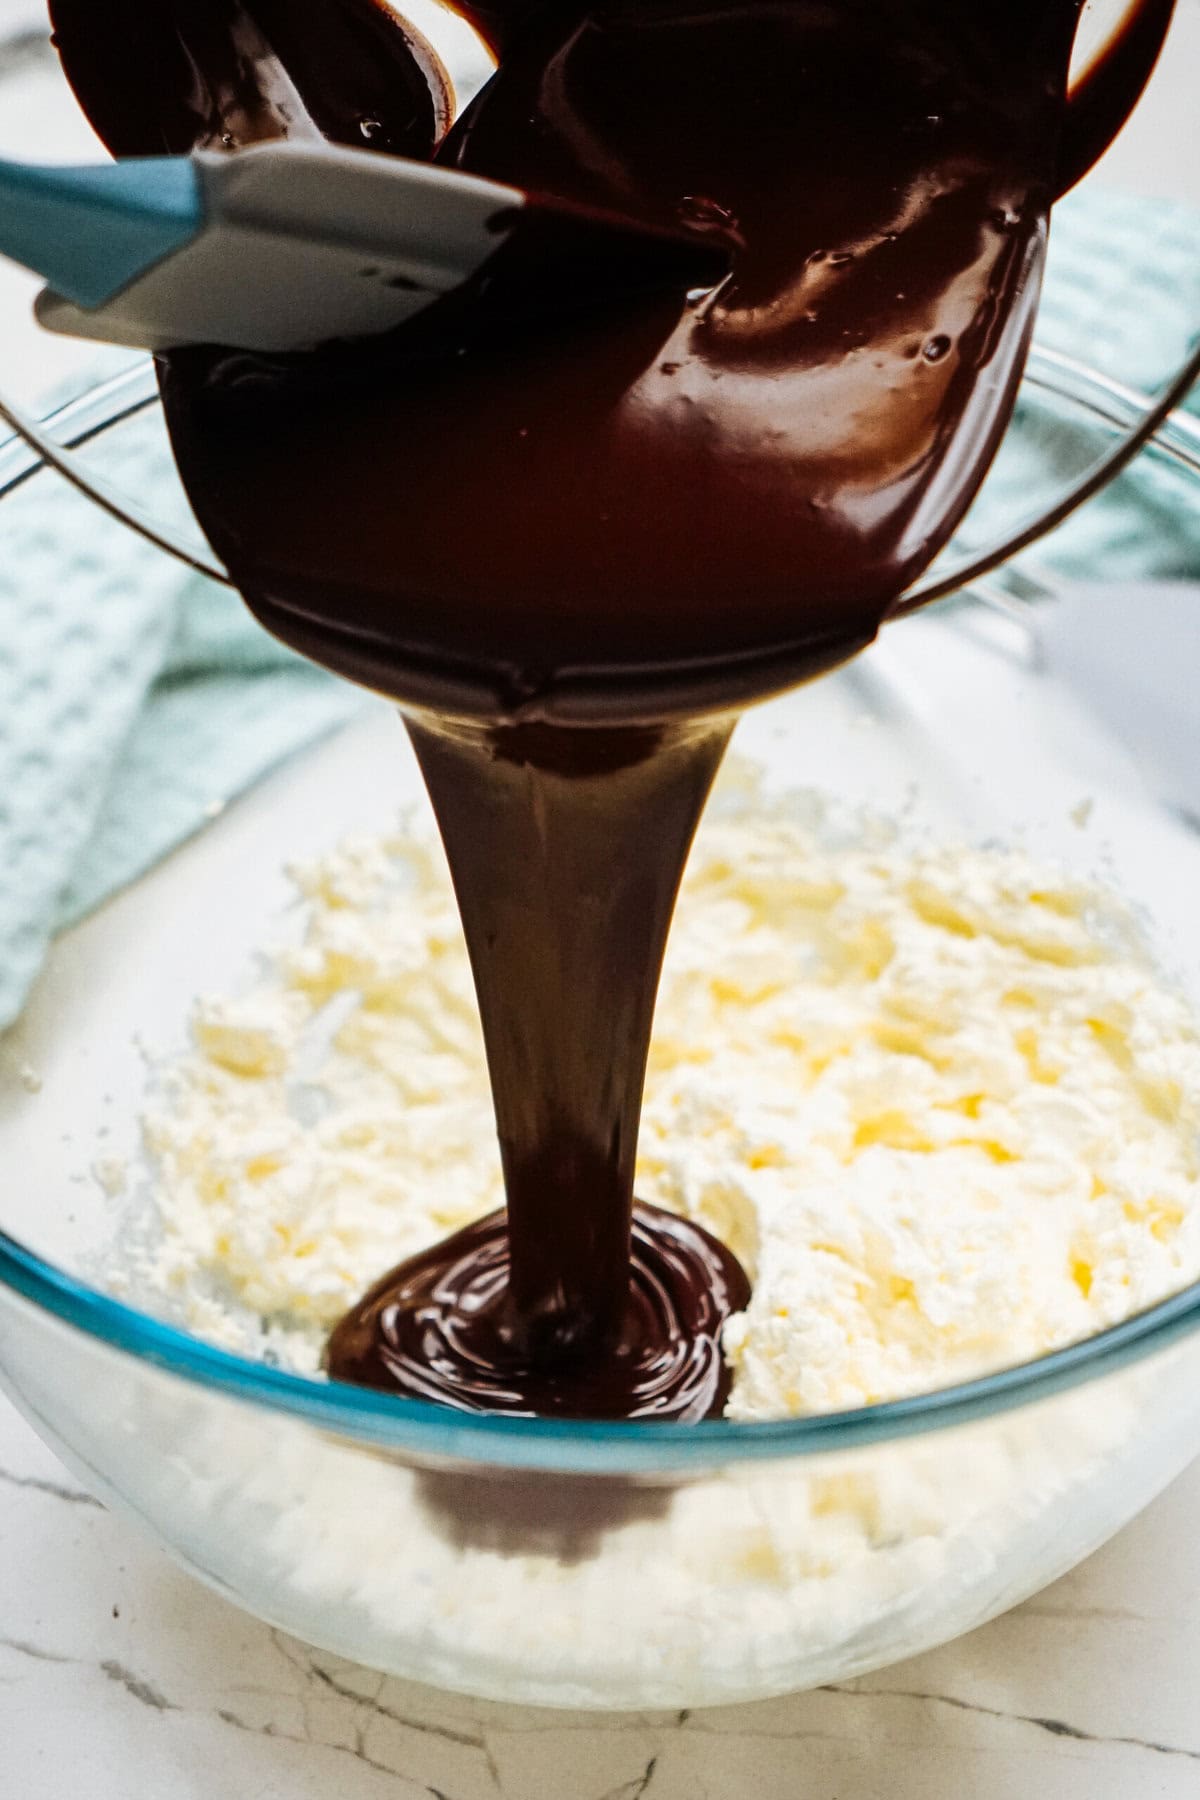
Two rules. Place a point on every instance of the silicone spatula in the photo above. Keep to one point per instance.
(285, 245)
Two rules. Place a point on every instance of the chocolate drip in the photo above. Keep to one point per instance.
(566, 849)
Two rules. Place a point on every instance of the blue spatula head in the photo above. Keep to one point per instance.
(91, 231)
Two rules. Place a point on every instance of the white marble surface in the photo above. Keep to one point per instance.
(122, 1679)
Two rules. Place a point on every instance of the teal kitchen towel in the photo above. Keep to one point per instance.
(1122, 295)
(136, 699)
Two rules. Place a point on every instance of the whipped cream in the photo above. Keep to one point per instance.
(936, 1098)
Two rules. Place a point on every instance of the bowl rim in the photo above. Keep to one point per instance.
(585, 1447)
(388, 1422)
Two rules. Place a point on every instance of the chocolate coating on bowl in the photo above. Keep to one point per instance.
(669, 501)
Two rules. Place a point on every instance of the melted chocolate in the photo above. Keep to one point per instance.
(162, 77)
(667, 492)
(446, 1326)
(558, 541)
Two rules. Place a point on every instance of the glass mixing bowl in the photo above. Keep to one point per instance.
(577, 1564)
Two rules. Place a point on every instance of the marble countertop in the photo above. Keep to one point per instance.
(121, 1677)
